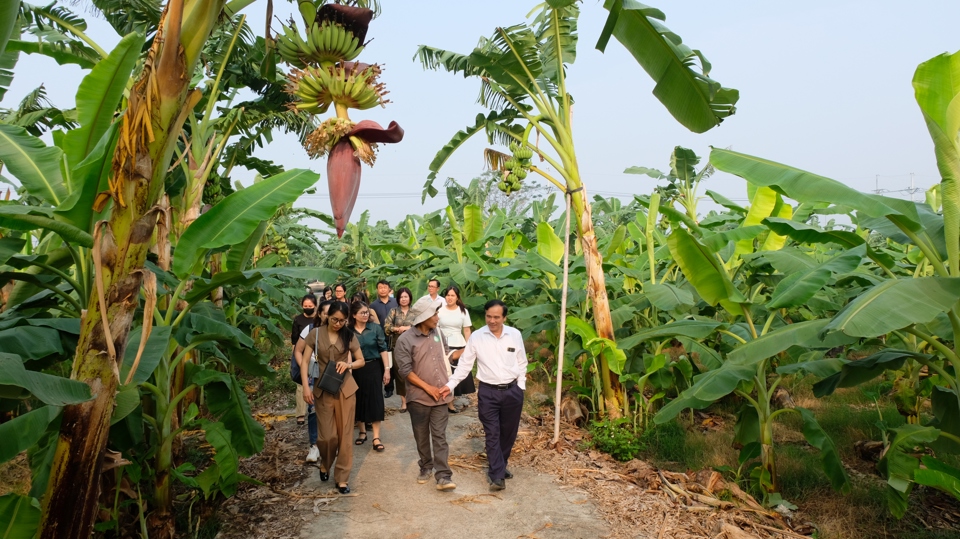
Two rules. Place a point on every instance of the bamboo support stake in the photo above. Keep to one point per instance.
(563, 323)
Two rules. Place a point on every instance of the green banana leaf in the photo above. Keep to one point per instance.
(899, 465)
(695, 329)
(762, 205)
(30, 342)
(19, 516)
(938, 475)
(98, 97)
(240, 254)
(237, 216)
(491, 123)
(52, 390)
(157, 344)
(22, 432)
(804, 233)
(472, 223)
(726, 202)
(896, 304)
(806, 187)
(854, 373)
(35, 164)
(796, 288)
(228, 403)
(702, 268)
(707, 389)
(829, 456)
(27, 218)
(10, 247)
(226, 456)
(8, 21)
(549, 245)
(698, 102)
(61, 53)
(666, 296)
(937, 89)
(89, 177)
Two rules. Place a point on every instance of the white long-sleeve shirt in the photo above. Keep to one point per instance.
(499, 360)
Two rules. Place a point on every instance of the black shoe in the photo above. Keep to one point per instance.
(388, 393)
(345, 489)
(324, 475)
(497, 485)
(507, 474)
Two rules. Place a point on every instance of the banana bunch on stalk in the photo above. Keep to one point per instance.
(326, 43)
(515, 168)
(325, 74)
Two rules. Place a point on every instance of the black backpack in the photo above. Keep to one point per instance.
(294, 366)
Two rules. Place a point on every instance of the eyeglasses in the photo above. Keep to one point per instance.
(337, 321)
(363, 313)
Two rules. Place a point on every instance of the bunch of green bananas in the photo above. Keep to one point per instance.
(350, 86)
(516, 168)
(326, 43)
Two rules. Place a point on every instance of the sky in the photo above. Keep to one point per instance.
(825, 86)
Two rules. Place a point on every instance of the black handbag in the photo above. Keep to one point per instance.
(331, 380)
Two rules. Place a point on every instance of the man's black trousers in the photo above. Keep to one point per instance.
(499, 412)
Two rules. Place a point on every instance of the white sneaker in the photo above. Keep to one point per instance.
(313, 455)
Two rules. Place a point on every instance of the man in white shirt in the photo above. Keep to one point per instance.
(502, 372)
(433, 292)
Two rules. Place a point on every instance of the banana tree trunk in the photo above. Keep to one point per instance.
(149, 131)
(597, 292)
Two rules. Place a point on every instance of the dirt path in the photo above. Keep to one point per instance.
(388, 502)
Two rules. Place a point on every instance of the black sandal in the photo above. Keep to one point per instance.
(361, 438)
(378, 447)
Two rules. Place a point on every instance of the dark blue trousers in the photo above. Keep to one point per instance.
(499, 413)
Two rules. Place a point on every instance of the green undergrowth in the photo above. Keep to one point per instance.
(692, 443)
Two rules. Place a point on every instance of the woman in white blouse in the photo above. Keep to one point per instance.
(455, 325)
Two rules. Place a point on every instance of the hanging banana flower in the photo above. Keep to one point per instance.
(325, 75)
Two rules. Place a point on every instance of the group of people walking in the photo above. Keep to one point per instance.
(425, 351)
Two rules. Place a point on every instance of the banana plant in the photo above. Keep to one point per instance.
(912, 307)
(523, 71)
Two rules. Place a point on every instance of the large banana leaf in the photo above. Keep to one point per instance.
(98, 96)
(227, 401)
(829, 456)
(936, 84)
(88, 178)
(708, 388)
(666, 296)
(240, 254)
(25, 218)
(549, 245)
(63, 53)
(50, 389)
(237, 216)
(854, 373)
(226, 458)
(702, 268)
(899, 464)
(30, 342)
(799, 287)
(23, 431)
(762, 205)
(938, 475)
(156, 346)
(698, 102)
(8, 58)
(8, 21)
(695, 329)
(804, 233)
(472, 223)
(896, 304)
(35, 164)
(495, 122)
(19, 516)
(807, 187)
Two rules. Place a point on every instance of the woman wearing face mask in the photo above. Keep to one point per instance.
(301, 324)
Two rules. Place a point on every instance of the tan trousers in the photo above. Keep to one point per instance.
(335, 418)
(301, 404)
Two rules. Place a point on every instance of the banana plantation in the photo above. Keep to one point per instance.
(143, 286)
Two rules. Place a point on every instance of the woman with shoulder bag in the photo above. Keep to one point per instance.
(338, 353)
(455, 325)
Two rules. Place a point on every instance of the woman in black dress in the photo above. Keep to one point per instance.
(372, 376)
